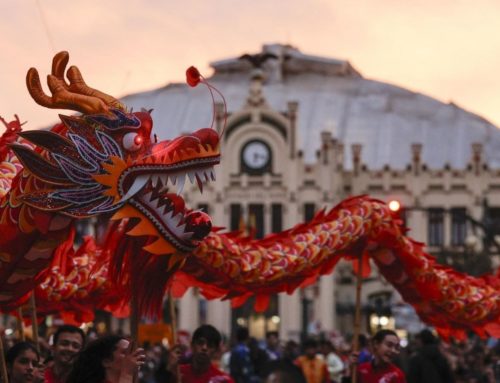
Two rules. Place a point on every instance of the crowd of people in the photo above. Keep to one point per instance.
(76, 357)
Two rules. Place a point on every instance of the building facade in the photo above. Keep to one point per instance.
(305, 132)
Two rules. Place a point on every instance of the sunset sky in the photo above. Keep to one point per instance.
(446, 49)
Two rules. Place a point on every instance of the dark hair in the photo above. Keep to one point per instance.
(17, 350)
(285, 371)
(381, 334)
(210, 333)
(327, 343)
(362, 340)
(68, 328)
(272, 333)
(426, 337)
(310, 343)
(242, 334)
(88, 367)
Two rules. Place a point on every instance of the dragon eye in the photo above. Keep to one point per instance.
(132, 142)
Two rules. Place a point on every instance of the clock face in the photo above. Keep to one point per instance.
(256, 155)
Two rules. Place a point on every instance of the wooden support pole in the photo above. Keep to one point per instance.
(134, 320)
(3, 365)
(357, 315)
(34, 321)
(20, 326)
(173, 327)
(134, 327)
(173, 317)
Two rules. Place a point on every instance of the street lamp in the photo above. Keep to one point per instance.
(394, 205)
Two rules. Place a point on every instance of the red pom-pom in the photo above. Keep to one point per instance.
(193, 76)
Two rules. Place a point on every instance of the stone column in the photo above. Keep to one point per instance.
(416, 150)
(477, 157)
(293, 107)
(289, 309)
(447, 229)
(324, 305)
(418, 225)
(356, 157)
(188, 312)
(219, 315)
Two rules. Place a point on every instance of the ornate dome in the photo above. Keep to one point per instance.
(332, 96)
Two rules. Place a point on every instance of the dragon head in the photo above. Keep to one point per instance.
(107, 160)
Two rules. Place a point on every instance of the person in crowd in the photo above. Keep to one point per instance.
(428, 365)
(67, 342)
(291, 351)
(205, 343)
(240, 365)
(259, 357)
(283, 371)
(477, 366)
(91, 334)
(154, 356)
(273, 347)
(109, 359)
(313, 366)
(381, 369)
(22, 362)
(334, 364)
(364, 350)
(225, 357)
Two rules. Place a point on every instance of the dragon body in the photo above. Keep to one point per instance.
(229, 266)
(94, 164)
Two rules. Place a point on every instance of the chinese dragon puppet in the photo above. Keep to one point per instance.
(105, 162)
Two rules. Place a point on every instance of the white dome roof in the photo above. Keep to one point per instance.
(332, 96)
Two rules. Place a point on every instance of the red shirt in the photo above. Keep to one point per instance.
(213, 375)
(49, 376)
(367, 373)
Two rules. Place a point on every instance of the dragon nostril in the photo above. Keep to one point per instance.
(199, 224)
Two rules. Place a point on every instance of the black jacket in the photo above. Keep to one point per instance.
(428, 365)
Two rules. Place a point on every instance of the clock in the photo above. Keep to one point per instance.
(256, 155)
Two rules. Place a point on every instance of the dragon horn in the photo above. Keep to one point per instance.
(74, 96)
(19, 121)
(79, 85)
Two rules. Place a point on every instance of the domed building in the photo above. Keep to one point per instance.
(304, 132)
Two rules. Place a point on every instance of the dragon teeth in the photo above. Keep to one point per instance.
(191, 176)
(169, 215)
(138, 184)
(148, 197)
(154, 180)
(180, 183)
(212, 174)
(179, 231)
(158, 210)
(177, 219)
(199, 182)
(164, 178)
(186, 235)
